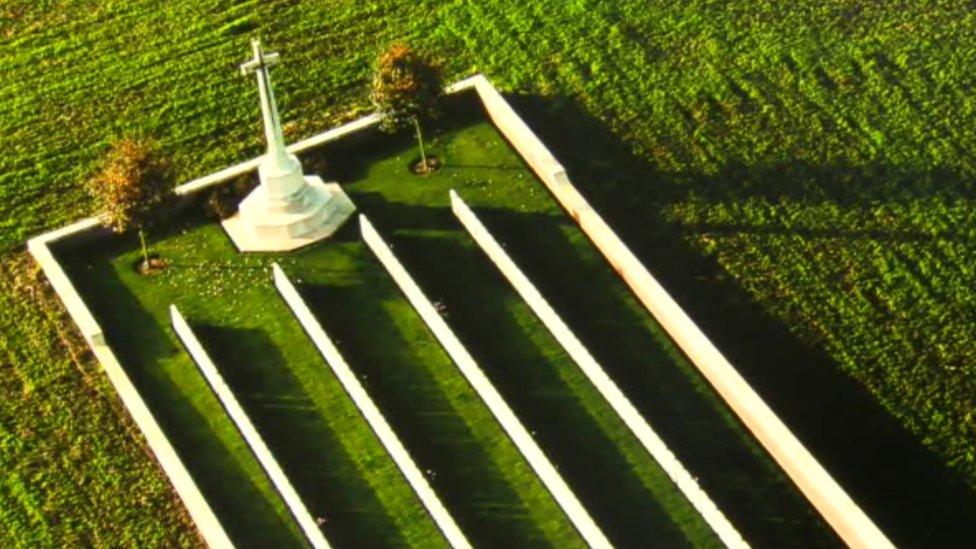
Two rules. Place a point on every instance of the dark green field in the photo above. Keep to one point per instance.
(798, 174)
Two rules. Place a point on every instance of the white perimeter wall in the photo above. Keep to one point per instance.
(826, 495)
(198, 507)
(840, 511)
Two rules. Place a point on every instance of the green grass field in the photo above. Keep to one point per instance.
(798, 174)
(74, 471)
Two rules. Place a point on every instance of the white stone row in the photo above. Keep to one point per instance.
(598, 376)
(370, 411)
(196, 504)
(466, 364)
(840, 511)
(254, 441)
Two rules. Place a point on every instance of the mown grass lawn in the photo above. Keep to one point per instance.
(265, 356)
(795, 172)
(542, 383)
(331, 456)
(316, 433)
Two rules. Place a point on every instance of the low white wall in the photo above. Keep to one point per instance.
(482, 385)
(247, 430)
(826, 495)
(598, 376)
(369, 410)
(198, 507)
(242, 168)
(332, 134)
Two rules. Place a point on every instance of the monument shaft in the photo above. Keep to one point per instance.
(288, 209)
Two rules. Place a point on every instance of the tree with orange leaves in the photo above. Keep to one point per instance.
(407, 91)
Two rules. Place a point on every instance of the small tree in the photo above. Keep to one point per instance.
(406, 91)
(132, 187)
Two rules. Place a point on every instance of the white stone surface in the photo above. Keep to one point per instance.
(849, 521)
(287, 210)
(276, 229)
(370, 411)
(466, 364)
(200, 511)
(254, 441)
(598, 376)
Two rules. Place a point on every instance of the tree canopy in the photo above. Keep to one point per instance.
(133, 184)
(406, 88)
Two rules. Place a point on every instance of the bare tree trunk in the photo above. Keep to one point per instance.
(420, 141)
(145, 249)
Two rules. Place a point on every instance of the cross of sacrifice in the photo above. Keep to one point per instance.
(259, 65)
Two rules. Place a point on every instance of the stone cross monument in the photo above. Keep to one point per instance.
(288, 209)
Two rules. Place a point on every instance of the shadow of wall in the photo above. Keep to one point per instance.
(898, 482)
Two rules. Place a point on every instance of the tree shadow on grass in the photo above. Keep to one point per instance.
(437, 436)
(525, 371)
(140, 344)
(293, 426)
(900, 484)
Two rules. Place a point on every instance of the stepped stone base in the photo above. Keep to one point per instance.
(264, 225)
